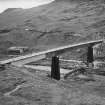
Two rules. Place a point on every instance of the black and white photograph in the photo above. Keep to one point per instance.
(52, 52)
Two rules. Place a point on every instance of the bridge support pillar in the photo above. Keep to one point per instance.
(90, 57)
(55, 68)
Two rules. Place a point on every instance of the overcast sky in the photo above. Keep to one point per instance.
(4, 4)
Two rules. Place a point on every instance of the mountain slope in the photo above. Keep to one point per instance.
(58, 23)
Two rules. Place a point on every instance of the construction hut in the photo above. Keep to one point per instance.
(17, 50)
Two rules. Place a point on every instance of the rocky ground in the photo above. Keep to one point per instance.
(20, 86)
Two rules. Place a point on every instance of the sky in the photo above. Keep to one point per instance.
(4, 4)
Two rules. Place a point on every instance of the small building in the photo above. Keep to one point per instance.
(17, 50)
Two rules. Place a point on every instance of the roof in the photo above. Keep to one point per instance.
(17, 48)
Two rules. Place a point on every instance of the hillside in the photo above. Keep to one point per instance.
(58, 23)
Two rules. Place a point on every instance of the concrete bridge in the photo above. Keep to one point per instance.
(22, 60)
(40, 55)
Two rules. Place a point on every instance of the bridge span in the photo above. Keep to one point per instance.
(21, 60)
